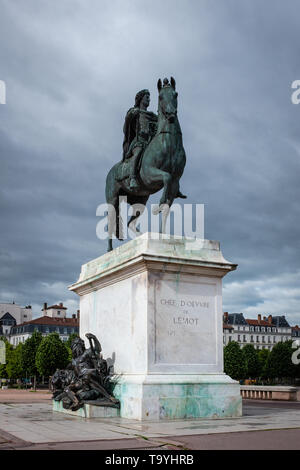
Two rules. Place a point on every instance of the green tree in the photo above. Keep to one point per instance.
(263, 355)
(14, 367)
(234, 361)
(29, 352)
(279, 363)
(52, 354)
(252, 362)
(8, 352)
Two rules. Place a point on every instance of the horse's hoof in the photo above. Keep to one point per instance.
(182, 196)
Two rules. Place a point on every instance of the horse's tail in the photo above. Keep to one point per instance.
(119, 223)
(112, 192)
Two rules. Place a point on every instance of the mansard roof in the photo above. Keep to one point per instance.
(236, 319)
(7, 316)
(280, 321)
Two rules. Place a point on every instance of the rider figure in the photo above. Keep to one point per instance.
(139, 128)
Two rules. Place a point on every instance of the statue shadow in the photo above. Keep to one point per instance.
(114, 378)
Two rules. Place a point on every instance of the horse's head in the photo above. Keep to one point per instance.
(167, 98)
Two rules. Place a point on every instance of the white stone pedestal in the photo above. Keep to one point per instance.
(89, 410)
(156, 306)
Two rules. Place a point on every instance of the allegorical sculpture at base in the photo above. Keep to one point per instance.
(153, 158)
(86, 378)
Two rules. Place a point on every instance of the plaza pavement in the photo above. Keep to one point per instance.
(27, 422)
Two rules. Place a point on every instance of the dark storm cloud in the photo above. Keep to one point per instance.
(72, 69)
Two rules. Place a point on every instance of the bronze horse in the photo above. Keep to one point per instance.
(161, 165)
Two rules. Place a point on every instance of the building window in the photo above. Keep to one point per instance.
(58, 312)
(263, 339)
(251, 339)
(257, 339)
(229, 339)
(239, 337)
(244, 339)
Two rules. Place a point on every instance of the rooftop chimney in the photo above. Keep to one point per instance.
(45, 307)
(259, 319)
(270, 319)
(73, 315)
(225, 317)
(78, 314)
(61, 304)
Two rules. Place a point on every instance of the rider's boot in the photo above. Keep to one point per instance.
(182, 196)
(134, 169)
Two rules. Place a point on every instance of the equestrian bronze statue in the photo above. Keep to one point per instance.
(153, 157)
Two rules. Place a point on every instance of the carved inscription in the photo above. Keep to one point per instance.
(185, 323)
(187, 317)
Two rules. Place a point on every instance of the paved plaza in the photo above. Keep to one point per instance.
(27, 422)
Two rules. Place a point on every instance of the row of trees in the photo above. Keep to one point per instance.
(250, 363)
(41, 356)
(37, 356)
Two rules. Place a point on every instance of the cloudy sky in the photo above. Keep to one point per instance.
(72, 68)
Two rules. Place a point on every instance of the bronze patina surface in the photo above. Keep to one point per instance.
(153, 157)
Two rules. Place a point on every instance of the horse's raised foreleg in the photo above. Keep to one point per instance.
(164, 215)
(165, 208)
(166, 195)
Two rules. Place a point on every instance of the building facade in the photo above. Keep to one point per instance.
(262, 333)
(55, 311)
(17, 325)
(12, 314)
(45, 325)
(295, 332)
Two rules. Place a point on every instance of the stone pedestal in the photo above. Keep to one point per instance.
(156, 306)
(89, 410)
